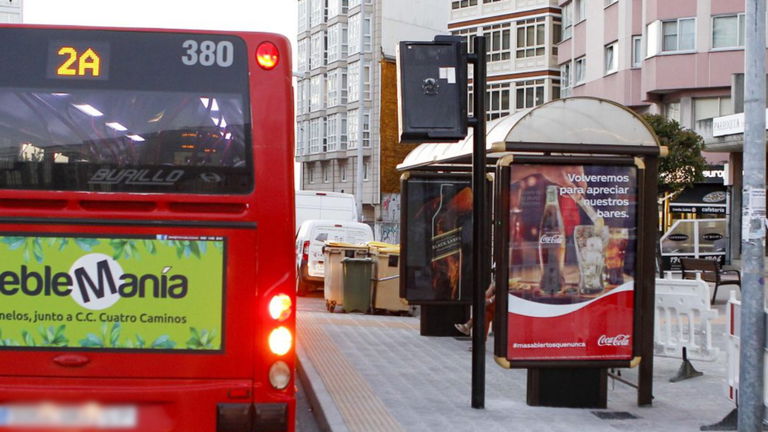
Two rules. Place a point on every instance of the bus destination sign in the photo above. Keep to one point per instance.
(78, 60)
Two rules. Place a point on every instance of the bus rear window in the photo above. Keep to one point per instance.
(124, 112)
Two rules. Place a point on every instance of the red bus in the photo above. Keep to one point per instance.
(147, 273)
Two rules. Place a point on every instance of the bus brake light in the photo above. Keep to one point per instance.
(280, 307)
(267, 55)
(280, 341)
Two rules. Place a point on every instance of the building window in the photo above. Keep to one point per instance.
(337, 42)
(711, 107)
(557, 33)
(728, 31)
(366, 168)
(318, 12)
(300, 138)
(354, 3)
(567, 28)
(367, 82)
(317, 93)
(565, 79)
(336, 131)
(352, 128)
(303, 55)
(555, 90)
(470, 101)
(316, 135)
(498, 37)
(497, 101)
(336, 85)
(679, 35)
(579, 10)
(317, 56)
(579, 70)
(367, 35)
(354, 34)
(336, 7)
(324, 170)
(637, 51)
(352, 132)
(529, 93)
(469, 34)
(302, 13)
(672, 111)
(309, 168)
(332, 132)
(353, 82)
(366, 129)
(458, 4)
(530, 38)
(302, 101)
(343, 170)
(611, 57)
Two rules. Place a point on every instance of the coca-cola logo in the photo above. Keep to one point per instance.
(678, 237)
(618, 340)
(551, 239)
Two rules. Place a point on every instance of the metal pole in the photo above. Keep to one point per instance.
(750, 397)
(481, 262)
(361, 105)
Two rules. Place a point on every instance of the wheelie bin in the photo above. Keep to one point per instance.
(386, 286)
(356, 290)
(334, 281)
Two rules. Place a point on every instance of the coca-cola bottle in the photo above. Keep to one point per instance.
(446, 248)
(551, 245)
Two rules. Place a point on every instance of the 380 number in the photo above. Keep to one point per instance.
(208, 53)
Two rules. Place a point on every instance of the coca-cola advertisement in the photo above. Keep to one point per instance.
(437, 240)
(571, 244)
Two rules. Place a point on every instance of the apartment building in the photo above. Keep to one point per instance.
(346, 81)
(522, 39)
(683, 59)
(676, 58)
(10, 11)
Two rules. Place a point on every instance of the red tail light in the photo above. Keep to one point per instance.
(305, 251)
(267, 55)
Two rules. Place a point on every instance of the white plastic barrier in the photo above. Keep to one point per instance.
(683, 319)
(734, 344)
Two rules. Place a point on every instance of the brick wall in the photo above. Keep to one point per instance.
(392, 152)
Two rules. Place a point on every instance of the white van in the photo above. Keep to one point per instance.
(311, 238)
(324, 205)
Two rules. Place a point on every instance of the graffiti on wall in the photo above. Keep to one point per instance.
(390, 208)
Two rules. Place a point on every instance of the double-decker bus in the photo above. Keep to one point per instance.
(147, 273)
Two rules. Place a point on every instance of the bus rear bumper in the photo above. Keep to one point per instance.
(268, 417)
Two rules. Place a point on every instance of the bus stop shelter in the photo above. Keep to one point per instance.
(596, 135)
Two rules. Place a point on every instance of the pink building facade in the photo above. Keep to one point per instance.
(676, 58)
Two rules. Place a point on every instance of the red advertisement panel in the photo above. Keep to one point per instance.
(572, 243)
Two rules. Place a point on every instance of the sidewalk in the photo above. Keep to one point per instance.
(373, 373)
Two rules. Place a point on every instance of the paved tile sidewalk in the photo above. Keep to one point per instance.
(376, 373)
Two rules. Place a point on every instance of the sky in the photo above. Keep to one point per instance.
(278, 16)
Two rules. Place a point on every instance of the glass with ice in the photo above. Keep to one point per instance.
(590, 242)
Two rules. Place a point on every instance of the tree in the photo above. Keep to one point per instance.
(684, 164)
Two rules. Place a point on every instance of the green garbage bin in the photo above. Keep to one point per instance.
(356, 289)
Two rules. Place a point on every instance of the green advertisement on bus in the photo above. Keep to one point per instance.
(141, 293)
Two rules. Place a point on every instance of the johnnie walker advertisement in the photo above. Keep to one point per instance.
(438, 240)
(571, 248)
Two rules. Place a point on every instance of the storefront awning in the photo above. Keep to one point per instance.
(707, 199)
(576, 120)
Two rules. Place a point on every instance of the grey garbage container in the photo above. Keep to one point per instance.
(356, 289)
